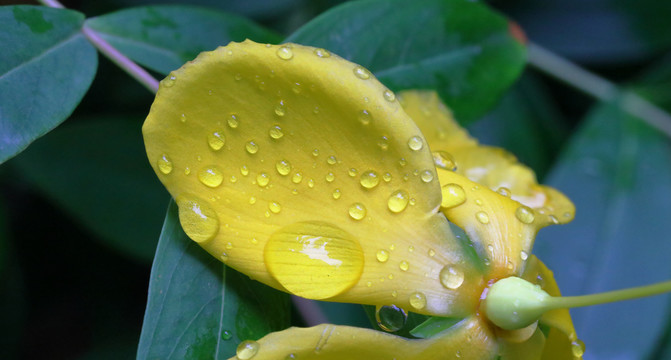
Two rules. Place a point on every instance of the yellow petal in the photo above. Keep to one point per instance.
(299, 169)
(467, 340)
(531, 349)
(562, 341)
(492, 167)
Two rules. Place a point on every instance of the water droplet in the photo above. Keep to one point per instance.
(216, 140)
(211, 176)
(244, 171)
(478, 202)
(229, 246)
(383, 143)
(280, 109)
(182, 118)
(238, 77)
(382, 256)
(386, 177)
(199, 220)
(411, 248)
(404, 265)
(444, 160)
(389, 95)
(251, 147)
(426, 176)
(233, 179)
(297, 178)
(453, 195)
(169, 81)
(276, 132)
(247, 349)
(315, 152)
(164, 164)
(322, 53)
(285, 53)
(369, 179)
(417, 300)
(311, 183)
(290, 357)
(394, 293)
(252, 200)
(578, 348)
(523, 255)
(432, 253)
(361, 72)
(365, 117)
(524, 214)
(390, 318)
(226, 335)
(330, 177)
(303, 252)
(503, 191)
(403, 162)
(482, 217)
(451, 277)
(336, 194)
(553, 219)
(262, 179)
(490, 248)
(274, 207)
(415, 143)
(398, 201)
(357, 211)
(233, 121)
(283, 167)
(352, 172)
(331, 160)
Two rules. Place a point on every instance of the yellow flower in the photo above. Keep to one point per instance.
(301, 170)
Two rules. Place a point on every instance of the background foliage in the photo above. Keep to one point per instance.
(81, 212)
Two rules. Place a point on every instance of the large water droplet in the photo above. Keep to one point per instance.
(525, 214)
(453, 195)
(262, 179)
(361, 72)
(164, 164)
(357, 211)
(251, 147)
(390, 317)
(398, 201)
(283, 167)
(285, 53)
(369, 179)
(389, 95)
(302, 254)
(382, 255)
(199, 220)
(415, 143)
(578, 348)
(331, 160)
(216, 140)
(482, 217)
(247, 349)
(444, 160)
(417, 300)
(274, 207)
(275, 132)
(451, 277)
(211, 176)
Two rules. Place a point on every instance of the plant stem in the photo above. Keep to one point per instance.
(598, 87)
(608, 297)
(121, 60)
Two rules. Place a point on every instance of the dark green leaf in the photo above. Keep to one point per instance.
(616, 170)
(199, 308)
(253, 8)
(97, 171)
(433, 326)
(46, 67)
(461, 48)
(163, 38)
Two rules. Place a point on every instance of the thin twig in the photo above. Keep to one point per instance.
(599, 87)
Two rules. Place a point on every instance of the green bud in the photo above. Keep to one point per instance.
(513, 303)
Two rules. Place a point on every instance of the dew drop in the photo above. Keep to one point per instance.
(252, 147)
(275, 132)
(247, 349)
(199, 220)
(283, 167)
(432, 253)
(226, 335)
(523, 255)
(390, 318)
(331, 160)
(352, 172)
(389, 95)
(244, 170)
(290, 357)
(426, 176)
(280, 109)
(451, 277)
(322, 53)
(164, 164)
(233, 122)
(211, 176)
(578, 348)
(336, 194)
(453, 195)
(216, 140)
(285, 53)
(311, 183)
(233, 179)
(386, 177)
(369, 179)
(415, 143)
(417, 300)
(187, 171)
(262, 179)
(357, 211)
(383, 143)
(238, 77)
(364, 117)
(404, 265)
(398, 201)
(315, 152)
(182, 118)
(330, 177)
(252, 200)
(482, 217)
(361, 72)
(503, 191)
(444, 160)
(553, 219)
(169, 81)
(297, 178)
(382, 256)
(524, 214)
(274, 207)
(302, 252)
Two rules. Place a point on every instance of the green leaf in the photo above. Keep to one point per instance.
(198, 307)
(433, 326)
(163, 38)
(97, 171)
(616, 170)
(461, 48)
(46, 67)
